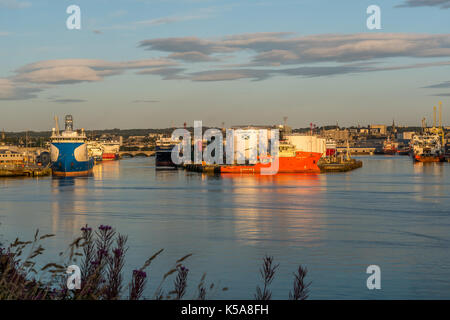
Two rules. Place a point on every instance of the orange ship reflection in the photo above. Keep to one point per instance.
(429, 181)
(296, 199)
(106, 170)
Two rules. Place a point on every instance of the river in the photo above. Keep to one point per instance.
(391, 213)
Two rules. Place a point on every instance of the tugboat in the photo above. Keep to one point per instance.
(69, 154)
(390, 146)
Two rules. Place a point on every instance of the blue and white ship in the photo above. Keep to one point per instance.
(69, 152)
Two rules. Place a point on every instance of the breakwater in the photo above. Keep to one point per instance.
(24, 170)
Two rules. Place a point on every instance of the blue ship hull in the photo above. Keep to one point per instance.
(67, 165)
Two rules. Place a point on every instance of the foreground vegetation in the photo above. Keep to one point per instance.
(101, 254)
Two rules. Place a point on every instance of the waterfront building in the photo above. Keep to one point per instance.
(380, 129)
(338, 135)
(11, 157)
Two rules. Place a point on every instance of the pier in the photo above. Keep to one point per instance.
(207, 168)
(24, 171)
(337, 166)
(341, 166)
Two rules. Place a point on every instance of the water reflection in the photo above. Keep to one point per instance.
(284, 207)
(166, 175)
(69, 197)
(429, 181)
(435, 168)
(106, 170)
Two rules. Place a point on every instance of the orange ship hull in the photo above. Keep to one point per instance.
(72, 174)
(303, 162)
(428, 159)
(109, 156)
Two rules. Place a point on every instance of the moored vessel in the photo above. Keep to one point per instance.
(404, 151)
(69, 154)
(163, 153)
(95, 150)
(290, 160)
(390, 147)
(110, 150)
(427, 148)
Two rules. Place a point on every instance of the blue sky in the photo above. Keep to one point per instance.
(144, 63)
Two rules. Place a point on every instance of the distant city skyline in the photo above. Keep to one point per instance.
(160, 63)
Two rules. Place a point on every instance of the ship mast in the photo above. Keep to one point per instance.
(434, 117)
(440, 123)
(56, 126)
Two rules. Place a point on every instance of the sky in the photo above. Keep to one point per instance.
(160, 63)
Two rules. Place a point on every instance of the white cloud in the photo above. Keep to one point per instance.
(270, 49)
(192, 56)
(80, 70)
(61, 74)
(443, 4)
(271, 54)
(35, 77)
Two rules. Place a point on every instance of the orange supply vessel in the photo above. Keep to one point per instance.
(110, 151)
(425, 158)
(290, 161)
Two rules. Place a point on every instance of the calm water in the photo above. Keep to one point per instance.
(391, 213)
